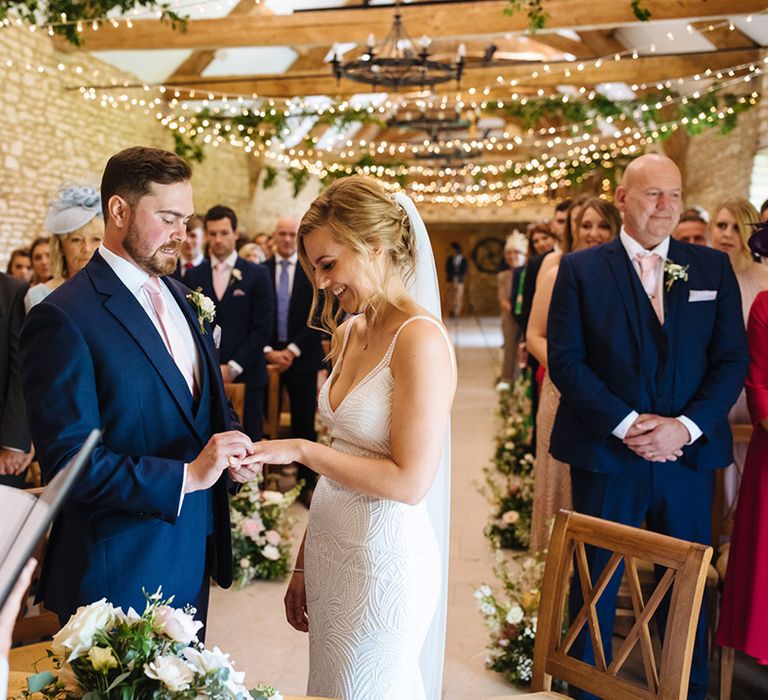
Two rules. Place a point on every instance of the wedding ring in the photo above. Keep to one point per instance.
(234, 462)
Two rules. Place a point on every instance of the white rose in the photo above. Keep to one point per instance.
(171, 671)
(76, 637)
(515, 615)
(244, 563)
(102, 659)
(273, 537)
(274, 497)
(510, 517)
(207, 305)
(176, 624)
(271, 552)
(207, 661)
(130, 618)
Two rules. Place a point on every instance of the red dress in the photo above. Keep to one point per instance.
(744, 609)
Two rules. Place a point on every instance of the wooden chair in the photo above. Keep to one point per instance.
(722, 524)
(278, 417)
(686, 567)
(236, 395)
(39, 625)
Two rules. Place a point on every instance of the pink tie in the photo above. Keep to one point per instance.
(220, 279)
(648, 265)
(171, 337)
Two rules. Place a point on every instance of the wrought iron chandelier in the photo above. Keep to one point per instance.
(395, 63)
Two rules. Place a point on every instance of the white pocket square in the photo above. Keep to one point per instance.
(702, 295)
(216, 336)
(238, 293)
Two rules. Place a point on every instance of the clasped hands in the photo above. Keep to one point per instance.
(656, 438)
(242, 458)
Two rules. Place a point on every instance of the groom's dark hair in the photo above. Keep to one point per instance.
(131, 173)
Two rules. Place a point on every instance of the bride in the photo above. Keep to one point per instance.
(371, 575)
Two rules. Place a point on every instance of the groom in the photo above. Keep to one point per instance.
(647, 345)
(120, 347)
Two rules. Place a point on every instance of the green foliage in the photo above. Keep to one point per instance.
(270, 177)
(537, 17)
(51, 11)
(640, 10)
(298, 178)
(188, 148)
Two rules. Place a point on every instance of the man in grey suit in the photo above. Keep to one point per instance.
(15, 439)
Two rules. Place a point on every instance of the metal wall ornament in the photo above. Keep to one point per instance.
(396, 63)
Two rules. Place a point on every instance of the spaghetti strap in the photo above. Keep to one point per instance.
(390, 351)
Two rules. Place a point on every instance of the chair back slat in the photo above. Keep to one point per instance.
(682, 584)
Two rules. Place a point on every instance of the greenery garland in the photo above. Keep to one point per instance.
(537, 16)
(64, 16)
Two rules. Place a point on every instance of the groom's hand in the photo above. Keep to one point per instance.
(661, 440)
(224, 450)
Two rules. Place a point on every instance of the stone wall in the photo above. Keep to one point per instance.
(51, 135)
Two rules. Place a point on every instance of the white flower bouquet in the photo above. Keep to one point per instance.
(261, 532)
(103, 653)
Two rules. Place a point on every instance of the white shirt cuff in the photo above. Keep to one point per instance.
(692, 428)
(11, 449)
(294, 349)
(3, 677)
(268, 348)
(237, 370)
(621, 430)
(183, 486)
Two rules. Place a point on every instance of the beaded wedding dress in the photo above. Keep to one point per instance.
(373, 566)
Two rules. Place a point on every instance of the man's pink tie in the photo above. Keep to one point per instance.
(651, 283)
(220, 279)
(172, 338)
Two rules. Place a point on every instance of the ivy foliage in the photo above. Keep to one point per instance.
(52, 11)
(538, 16)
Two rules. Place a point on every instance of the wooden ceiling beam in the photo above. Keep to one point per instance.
(722, 37)
(459, 19)
(643, 69)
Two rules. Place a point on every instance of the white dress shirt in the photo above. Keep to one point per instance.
(633, 248)
(3, 677)
(134, 278)
(229, 264)
(293, 260)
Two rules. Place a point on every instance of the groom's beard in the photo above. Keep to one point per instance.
(153, 262)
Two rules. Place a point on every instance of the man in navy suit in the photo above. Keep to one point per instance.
(647, 345)
(294, 347)
(244, 308)
(124, 348)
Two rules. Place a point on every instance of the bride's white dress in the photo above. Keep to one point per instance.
(372, 566)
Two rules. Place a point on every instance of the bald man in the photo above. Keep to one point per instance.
(647, 345)
(295, 347)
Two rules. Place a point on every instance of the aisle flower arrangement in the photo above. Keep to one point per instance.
(508, 480)
(103, 653)
(511, 615)
(261, 532)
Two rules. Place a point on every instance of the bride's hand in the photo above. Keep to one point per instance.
(296, 603)
(276, 452)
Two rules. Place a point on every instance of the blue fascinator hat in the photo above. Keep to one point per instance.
(74, 208)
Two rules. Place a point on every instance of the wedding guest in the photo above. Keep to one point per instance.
(692, 228)
(541, 239)
(124, 348)
(20, 265)
(15, 438)
(744, 605)
(598, 222)
(295, 347)
(252, 253)
(731, 225)
(371, 575)
(266, 242)
(646, 343)
(764, 211)
(75, 220)
(191, 253)
(559, 219)
(514, 256)
(242, 293)
(8, 616)
(456, 267)
(40, 253)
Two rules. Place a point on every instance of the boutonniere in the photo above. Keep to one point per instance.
(236, 276)
(204, 306)
(674, 272)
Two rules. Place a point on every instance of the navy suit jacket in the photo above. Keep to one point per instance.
(92, 358)
(244, 314)
(593, 348)
(308, 340)
(14, 430)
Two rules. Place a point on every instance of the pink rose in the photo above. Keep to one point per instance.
(273, 537)
(252, 528)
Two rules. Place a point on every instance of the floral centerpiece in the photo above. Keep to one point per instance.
(261, 532)
(103, 653)
(508, 483)
(511, 616)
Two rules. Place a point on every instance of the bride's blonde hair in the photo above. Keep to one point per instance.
(361, 216)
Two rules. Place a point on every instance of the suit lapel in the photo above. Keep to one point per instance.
(621, 267)
(130, 314)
